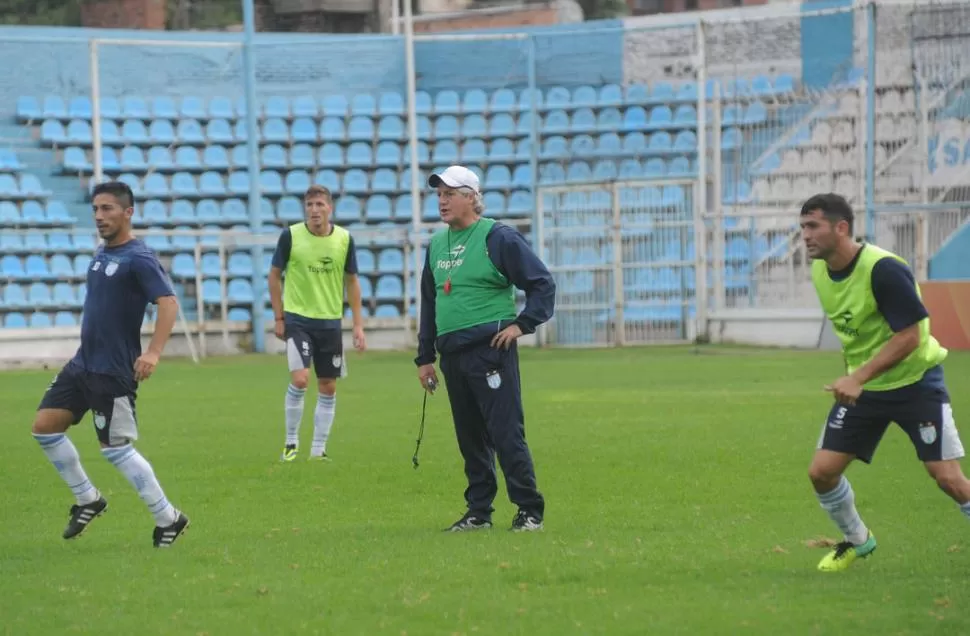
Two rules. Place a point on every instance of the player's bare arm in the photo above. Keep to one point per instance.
(354, 298)
(275, 284)
(167, 313)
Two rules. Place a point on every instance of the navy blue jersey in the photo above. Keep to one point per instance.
(894, 288)
(121, 281)
(513, 257)
(280, 259)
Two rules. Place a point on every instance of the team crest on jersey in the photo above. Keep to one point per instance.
(95, 266)
(927, 432)
(494, 380)
(110, 268)
(100, 420)
(337, 360)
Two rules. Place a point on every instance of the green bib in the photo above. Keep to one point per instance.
(851, 306)
(470, 290)
(315, 273)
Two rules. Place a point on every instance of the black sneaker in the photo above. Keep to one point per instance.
(525, 521)
(165, 537)
(81, 516)
(470, 521)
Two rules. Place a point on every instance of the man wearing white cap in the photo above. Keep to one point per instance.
(468, 315)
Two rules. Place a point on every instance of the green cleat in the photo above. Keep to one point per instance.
(289, 453)
(845, 553)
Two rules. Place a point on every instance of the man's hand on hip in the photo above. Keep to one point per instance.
(505, 338)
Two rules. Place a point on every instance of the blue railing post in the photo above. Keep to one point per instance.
(870, 120)
(252, 126)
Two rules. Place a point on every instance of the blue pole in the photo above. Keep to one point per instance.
(252, 126)
(533, 139)
(870, 120)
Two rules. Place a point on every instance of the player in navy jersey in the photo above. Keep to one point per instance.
(124, 276)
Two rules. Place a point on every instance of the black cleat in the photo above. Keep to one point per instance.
(470, 521)
(81, 516)
(525, 521)
(165, 537)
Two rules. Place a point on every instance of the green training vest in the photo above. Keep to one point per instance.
(479, 293)
(851, 306)
(315, 273)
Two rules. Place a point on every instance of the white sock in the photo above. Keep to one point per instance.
(965, 508)
(294, 413)
(840, 504)
(139, 472)
(63, 455)
(322, 422)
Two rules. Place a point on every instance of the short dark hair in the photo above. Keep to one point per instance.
(317, 190)
(118, 189)
(834, 208)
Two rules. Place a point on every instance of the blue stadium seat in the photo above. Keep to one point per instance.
(239, 290)
(40, 320)
(183, 266)
(219, 131)
(274, 156)
(60, 242)
(183, 184)
(134, 108)
(28, 108)
(660, 117)
(304, 130)
(359, 155)
(207, 211)
(335, 105)
(57, 214)
(582, 146)
(289, 209)
(610, 95)
(365, 263)
(447, 102)
(686, 141)
(52, 132)
(390, 261)
(76, 159)
(494, 204)
(402, 207)
(31, 186)
(685, 115)
(153, 212)
(39, 295)
(584, 121)
(9, 160)
(430, 210)
(445, 152)
(391, 104)
(604, 170)
(234, 211)
(77, 132)
(160, 131)
(331, 155)
(239, 183)
(84, 241)
(277, 106)
(556, 122)
(424, 127)
(388, 154)
(301, 156)
(584, 96)
(384, 180)
(501, 149)
(474, 126)
(189, 131)
(756, 113)
(378, 208)
(474, 151)
(654, 168)
(360, 129)
(14, 320)
(578, 171)
(132, 159)
(423, 104)
(522, 176)
(305, 106)
(557, 97)
(275, 129)
(348, 209)
(33, 213)
(784, 83)
(687, 92)
(328, 179)
(160, 158)
(297, 181)
(355, 181)
(187, 158)
(554, 147)
(270, 182)
(210, 184)
(498, 177)
(389, 288)
(11, 242)
(109, 132)
(215, 157)
(81, 264)
(520, 203)
(164, 108)
(660, 142)
(446, 127)
(36, 267)
(240, 264)
(211, 292)
(15, 297)
(503, 100)
(391, 128)
(211, 265)
(363, 104)
(476, 101)
(64, 319)
(9, 213)
(240, 314)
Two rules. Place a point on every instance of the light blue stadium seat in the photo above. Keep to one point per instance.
(430, 210)
(554, 147)
(654, 168)
(297, 181)
(335, 106)
(522, 176)
(402, 207)
(355, 181)
(424, 153)
(134, 107)
(475, 101)
(211, 184)
(239, 290)
(365, 263)
(109, 131)
(81, 263)
(756, 113)
(160, 131)
(160, 158)
(348, 209)
(328, 179)
(187, 158)
(556, 122)
(474, 151)
(77, 132)
(240, 131)
(359, 155)
(391, 128)
(731, 139)
(501, 149)
(503, 100)
(211, 265)
(219, 108)
(215, 157)
(39, 295)
(239, 314)
(494, 204)
(388, 154)
(64, 319)
(731, 115)
(9, 160)
(211, 292)
(391, 104)
(275, 129)
(304, 130)
(33, 213)
(557, 97)
(660, 142)
(270, 182)
(610, 95)
(11, 242)
(14, 320)
(132, 159)
(582, 146)
(660, 117)
(239, 183)
(31, 186)
(360, 129)
(389, 287)
(685, 115)
(57, 214)
(189, 131)
(301, 156)
(183, 184)
(305, 106)
(390, 261)
(604, 170)
(289, 209)
(679, 167)
(405, 178)
(9, 213)
(634, 118)
(498, 177)
(783, 84)
(84, 241)
(36, 267)
(578, 171)
(14, 297)
(447, 102)
(425, 127)
(76, 159)
(446, 127)
(363, 104)
(423, 104)
(153, 212)
(277, 106)
(183, 266)
(378, 208)
(552, 173)
(52, 132)
(219, 131)
(40, 320)
(584, 121)
(331, 155)
(164, 108)
(60, 242)
(445, 152)
(234, 211)
(686, 141)
(474, 126)
(384, 181)
(28, 108)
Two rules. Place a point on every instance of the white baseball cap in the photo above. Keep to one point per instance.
(455, 177)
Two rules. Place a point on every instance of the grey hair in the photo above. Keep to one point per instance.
(478, 201)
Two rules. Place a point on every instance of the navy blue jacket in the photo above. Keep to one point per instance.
(512, 256)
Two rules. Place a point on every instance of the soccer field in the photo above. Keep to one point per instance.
(677, 503)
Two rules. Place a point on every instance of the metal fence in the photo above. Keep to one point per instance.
(747, 114)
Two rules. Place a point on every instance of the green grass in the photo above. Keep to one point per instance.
(676, 487)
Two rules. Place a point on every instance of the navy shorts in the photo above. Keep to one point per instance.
(324, 348)
(925, 415)
(110, 399)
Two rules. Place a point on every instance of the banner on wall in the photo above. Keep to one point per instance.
(949, 148)
(949, 305)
